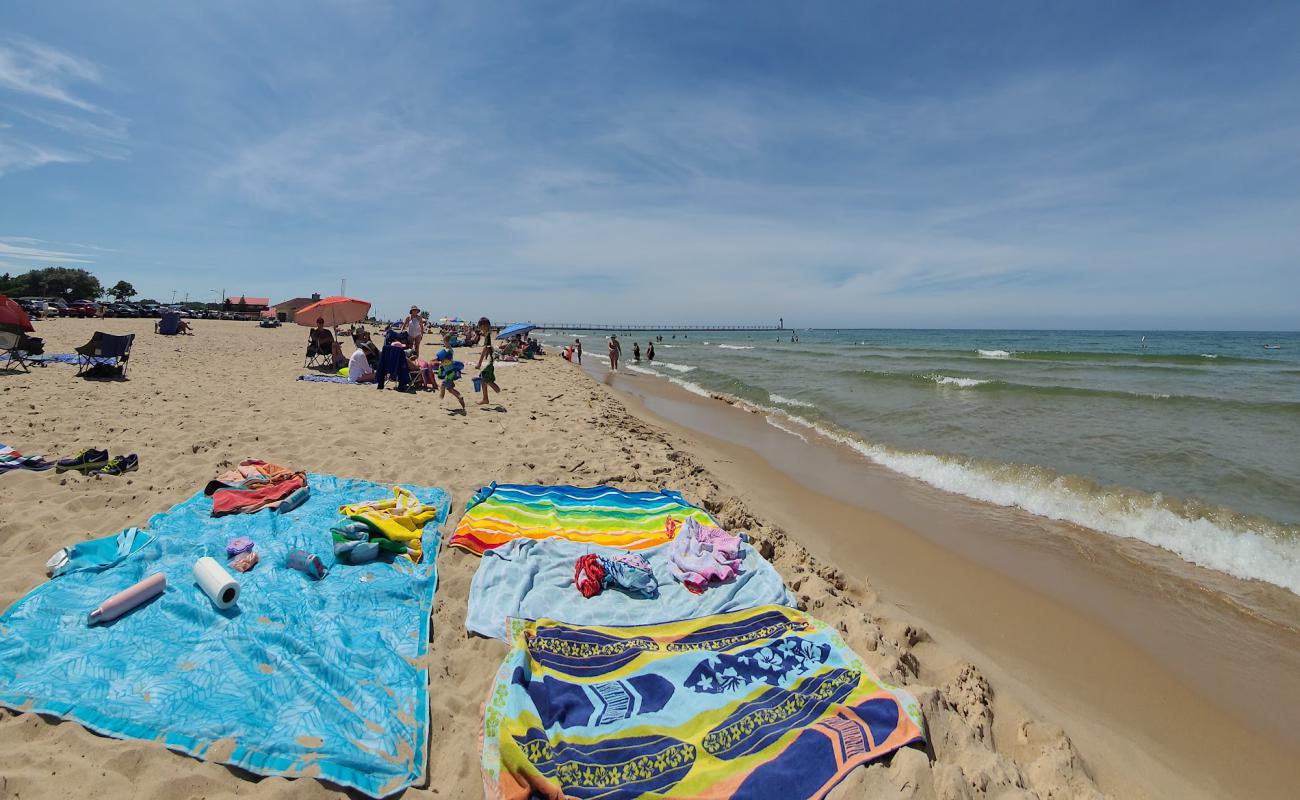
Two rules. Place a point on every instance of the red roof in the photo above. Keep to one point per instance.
(251, 301)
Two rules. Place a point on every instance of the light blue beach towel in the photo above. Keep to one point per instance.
(533, 579)
(301, 678)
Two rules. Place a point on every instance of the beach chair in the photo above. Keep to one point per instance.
(11, 347)
(105, 353)
(169, 325)
(319, 353)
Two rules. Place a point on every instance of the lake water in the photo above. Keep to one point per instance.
(1189, 441)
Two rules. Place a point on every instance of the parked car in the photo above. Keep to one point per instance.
(269, 322)
(121, 310)
(36, 307)
(83, 308)
(60, 307)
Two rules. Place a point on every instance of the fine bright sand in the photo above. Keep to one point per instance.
(194, 405)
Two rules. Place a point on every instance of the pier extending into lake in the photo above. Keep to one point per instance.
(591, 326)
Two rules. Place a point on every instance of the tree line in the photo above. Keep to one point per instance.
(63, 283)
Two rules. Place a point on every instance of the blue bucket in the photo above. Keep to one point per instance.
(478, 384)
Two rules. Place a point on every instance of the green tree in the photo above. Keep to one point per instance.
(122, 290)
(61, 282)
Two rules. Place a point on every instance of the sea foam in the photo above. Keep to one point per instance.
(1237, 549)
(993, 354)
(790, 401)
(735, 346)
(963, 383)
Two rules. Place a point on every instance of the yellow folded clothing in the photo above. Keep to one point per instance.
(400, 519)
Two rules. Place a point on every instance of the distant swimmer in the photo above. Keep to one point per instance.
(1272, 347)
(1144, 342)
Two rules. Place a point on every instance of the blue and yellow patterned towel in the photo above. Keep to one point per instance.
(766, 702)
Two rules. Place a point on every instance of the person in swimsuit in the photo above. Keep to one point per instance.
(615, 350)
(577, 348)
(636, 352)
(414, 330)
(487, 375)
(650, 352)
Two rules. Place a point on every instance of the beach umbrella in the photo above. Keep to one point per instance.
(13, 317)
(335, 311)
(516, 329)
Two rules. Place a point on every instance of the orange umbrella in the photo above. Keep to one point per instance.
(12, 315)
(335, 311)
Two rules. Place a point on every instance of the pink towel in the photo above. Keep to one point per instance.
(700, 554)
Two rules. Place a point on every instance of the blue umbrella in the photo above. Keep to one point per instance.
(517, 328)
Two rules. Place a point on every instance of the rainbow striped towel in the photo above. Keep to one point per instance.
(766, 702)
(598, 515)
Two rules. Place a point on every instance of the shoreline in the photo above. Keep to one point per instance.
(992, 729)
(1085, 628)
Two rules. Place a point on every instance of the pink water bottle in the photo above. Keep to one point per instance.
(129, 598)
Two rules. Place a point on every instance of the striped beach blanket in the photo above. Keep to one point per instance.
(597, 515)
(767, 702)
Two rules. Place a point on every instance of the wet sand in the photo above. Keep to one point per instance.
(1166, 687)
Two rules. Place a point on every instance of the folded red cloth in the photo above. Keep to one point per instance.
(589, 575)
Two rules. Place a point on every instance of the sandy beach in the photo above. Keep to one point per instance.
(194, 405)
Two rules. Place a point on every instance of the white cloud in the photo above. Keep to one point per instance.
(18, 247)
(16, 154)
(357, 158)
(37, 76)
(35, 69)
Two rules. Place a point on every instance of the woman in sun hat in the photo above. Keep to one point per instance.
(414, 326)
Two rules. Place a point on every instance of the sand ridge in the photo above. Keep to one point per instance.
(195, 404)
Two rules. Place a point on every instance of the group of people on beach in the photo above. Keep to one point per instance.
(399, 357)
(573, 352)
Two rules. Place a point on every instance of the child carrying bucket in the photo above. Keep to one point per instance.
(487, 375)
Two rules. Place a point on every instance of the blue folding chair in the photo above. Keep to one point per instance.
(170, 324)
(105, 350)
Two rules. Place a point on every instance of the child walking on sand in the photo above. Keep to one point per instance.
(448, 373)
(487, 375)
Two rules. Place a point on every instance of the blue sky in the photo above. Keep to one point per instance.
(1014, 164)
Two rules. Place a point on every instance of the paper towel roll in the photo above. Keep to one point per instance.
(216, 583)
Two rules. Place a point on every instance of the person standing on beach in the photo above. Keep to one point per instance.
(488, 374)
(615, 350)
(650, 353)
(577, 348)
(414, 330)
(636, 352)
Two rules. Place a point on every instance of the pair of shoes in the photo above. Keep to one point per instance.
(87, 460)
(97, 462)
(120, 465)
